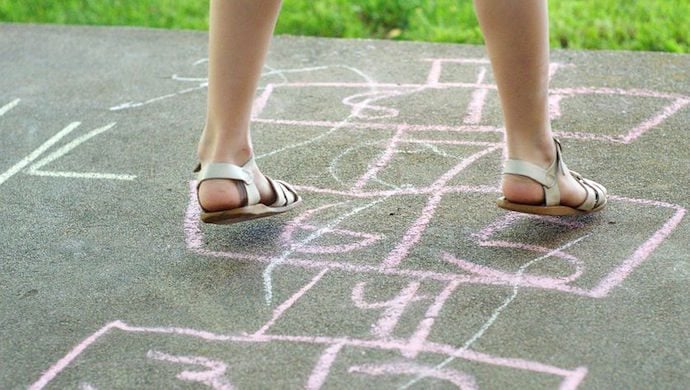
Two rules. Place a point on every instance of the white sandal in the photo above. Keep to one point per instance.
(548, 178)
(252, 208)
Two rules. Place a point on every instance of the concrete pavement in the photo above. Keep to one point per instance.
(397, 272)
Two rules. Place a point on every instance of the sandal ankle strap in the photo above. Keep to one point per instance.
(243, 175)
(548, 177)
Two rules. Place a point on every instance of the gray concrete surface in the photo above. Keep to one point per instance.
(397, 272)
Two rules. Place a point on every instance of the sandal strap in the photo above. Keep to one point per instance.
(548, 178)
(242, 175)
(596, 193)
(285, 193)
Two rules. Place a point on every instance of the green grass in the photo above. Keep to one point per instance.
(656, 25)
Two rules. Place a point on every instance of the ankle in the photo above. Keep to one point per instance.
(224, 146)
(541, 152)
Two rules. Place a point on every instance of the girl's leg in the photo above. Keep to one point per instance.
(517, 39)
(239, 35)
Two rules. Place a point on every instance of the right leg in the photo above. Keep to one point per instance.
(516, 35)
(239, 35)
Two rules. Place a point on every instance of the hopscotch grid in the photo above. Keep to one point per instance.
(572, 377)
(418, 342)
(333, 343)
(419, 337)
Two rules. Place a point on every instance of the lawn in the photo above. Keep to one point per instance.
(656, 25)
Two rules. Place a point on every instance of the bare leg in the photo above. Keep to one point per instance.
(516, 35)
(239, 35)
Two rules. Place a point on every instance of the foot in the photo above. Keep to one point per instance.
(225, 194)
(523, 190)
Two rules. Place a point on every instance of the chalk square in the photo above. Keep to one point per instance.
(124, 356)
(495, 251)
(620, 111)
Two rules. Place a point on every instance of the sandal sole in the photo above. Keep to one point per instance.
(555, 211)
(242, 214)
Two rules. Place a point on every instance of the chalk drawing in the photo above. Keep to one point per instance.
(214, 377)
(7, 107)
(323, 238)
(570, 377)
(34, 168)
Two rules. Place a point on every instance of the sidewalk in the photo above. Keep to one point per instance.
(397, 272)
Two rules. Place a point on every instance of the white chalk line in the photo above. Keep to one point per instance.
(278, 312)
(37, 152)
(333, 169)
(334, 128)
(7, 107)
(35, 169)
(203, 84)
(128, 105)
(333, 166)
(267, 274)
(499, 310)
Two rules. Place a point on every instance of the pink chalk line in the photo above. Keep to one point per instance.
(267, 274)
(323, 367)
(261, 101)
(394, 308)
(414, 233)
(214, 377)
(667, 112)
(476, 105)
(497, 312)
(278, 312)
(55, 369)
(554, 91)
(393, 86)
(358, 108)
(367, 240)
(381, 126)
(643, 252)
(436, 69)
(570, 376)
(459, 379)
(384, 160)
(289, 231)
(474, 110)
(555, 106)
(617, 91)
(401, 192)
(543, 282)
(193, 236)
(424, 329)
(483, 236)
